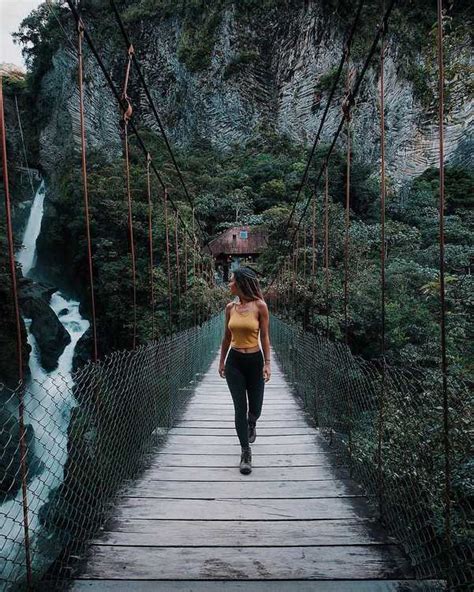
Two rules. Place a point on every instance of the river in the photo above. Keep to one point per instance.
(48, 404)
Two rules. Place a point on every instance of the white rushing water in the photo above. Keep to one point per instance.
(48, 404)
(27, 254)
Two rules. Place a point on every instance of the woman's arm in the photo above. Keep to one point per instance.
(225, 341)
(264, 319)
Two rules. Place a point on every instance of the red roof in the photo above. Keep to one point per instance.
(230, 242)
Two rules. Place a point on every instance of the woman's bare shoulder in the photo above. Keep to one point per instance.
(261, 304)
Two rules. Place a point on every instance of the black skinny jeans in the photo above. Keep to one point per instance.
(244, 375)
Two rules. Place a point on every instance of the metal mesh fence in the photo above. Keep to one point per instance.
(394, 442)
(86, 436)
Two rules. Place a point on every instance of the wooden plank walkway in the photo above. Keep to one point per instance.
(193, 523)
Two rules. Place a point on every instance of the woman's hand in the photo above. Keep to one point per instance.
(222, 369)
(267, 371)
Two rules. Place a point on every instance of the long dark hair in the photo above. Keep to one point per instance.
(247, 280)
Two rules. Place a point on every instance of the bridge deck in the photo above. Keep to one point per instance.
(194, 519)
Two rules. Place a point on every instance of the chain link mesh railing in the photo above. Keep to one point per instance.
(394, 442)
(86, 436)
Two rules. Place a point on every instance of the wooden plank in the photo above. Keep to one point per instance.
(290, 411)
(225, 399)
(281, 391)
(226, 402)
(144, 563)
(218, 441)
(254, 586)
(204, 390)
(276, 416)
(275, 391)
(257, 448)
(230, 431)
(155, 488)
(262, 422)
(207, 474)
(228, 415)
(278, 387)
(270, 411)
(172, 459)
(225, 408)
(241, 533)
(275, 386)
(244, 509)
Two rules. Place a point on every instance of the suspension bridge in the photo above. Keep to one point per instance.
(193, 516)
(143, 490)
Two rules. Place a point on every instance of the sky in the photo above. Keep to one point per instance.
(12, 12)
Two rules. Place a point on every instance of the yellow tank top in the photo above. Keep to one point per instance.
(244, 327)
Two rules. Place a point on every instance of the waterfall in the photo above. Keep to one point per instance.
(27, 254)
(48, 404)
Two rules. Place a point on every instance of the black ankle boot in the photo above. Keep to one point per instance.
(246, 461)
(252, 433)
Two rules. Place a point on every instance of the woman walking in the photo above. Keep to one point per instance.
(245, 369)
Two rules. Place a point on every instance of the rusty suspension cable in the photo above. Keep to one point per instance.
(150, 246)
(80, 35)
(326, 245)
(118, 97)
(345, 51)
(154, 109)
(381, 413)
(349, 102)
(442, 290)
(21, 406)
(168, 263)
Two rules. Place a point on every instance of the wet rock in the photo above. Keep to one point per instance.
(48, 331)
(83, 350)
(31, 289)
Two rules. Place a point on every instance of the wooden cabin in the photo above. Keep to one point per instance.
(236, 246)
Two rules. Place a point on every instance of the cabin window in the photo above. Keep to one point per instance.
(244, 234)
(234, 237)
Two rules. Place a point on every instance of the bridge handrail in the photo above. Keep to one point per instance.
(404, 476)
(87, 436)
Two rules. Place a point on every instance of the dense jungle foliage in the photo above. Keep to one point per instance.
(256, 185)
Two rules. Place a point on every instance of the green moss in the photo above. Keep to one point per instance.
(199, 23)
(419, 77)
(14, 84)
(238, 64)
(459, 186)
(151, 8)
(40, 36)
(198, 38)
(326, 81)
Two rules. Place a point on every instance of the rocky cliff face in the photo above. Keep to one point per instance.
(266, 71)
(60, 136)
(23, 174)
